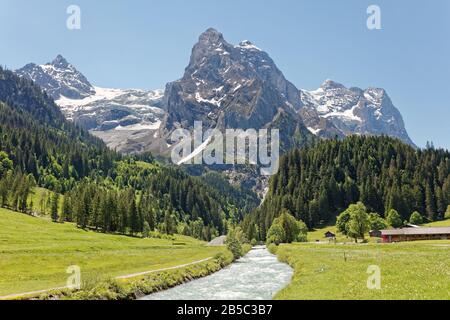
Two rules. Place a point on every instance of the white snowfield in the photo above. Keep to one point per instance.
(139, 126)
(107, 94)
(139, 102)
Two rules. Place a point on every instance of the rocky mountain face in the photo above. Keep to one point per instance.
(58, 78)
(334, 109)
(233, 86)
(224, 86)
(120, 117)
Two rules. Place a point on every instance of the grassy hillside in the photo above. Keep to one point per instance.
(443, 223)
(318, 234)
(417, 270)
(39, 200)
(35, 253)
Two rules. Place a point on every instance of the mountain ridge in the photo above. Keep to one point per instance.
(354, 111)
(224, 85)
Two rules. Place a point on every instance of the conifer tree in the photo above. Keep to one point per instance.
(54, 207)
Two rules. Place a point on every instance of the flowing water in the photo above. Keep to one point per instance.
(257, 276)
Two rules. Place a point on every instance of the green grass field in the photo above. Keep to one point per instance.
(414, 270)
(443, 223)
(318, 234)
(38, 199)
(35, 253)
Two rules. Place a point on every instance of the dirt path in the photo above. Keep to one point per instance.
(134, 275)
(127, 276)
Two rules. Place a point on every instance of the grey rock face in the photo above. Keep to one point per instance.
(336, 110)
(227, 86)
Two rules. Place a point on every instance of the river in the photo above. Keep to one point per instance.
(257, 276)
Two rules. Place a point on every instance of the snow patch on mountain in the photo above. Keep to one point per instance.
(196, 152)
(247, 45)
(314, 131)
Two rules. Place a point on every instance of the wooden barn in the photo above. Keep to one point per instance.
(375, 233)
(414, 234)
(330, 235)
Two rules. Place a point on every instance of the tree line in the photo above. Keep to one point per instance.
(39, 141)
(142, 200)
(101, 189)
(317, 183)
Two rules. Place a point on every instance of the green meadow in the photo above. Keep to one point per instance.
(413, 270)
(35, 253)
(318, 234)
(443, 223)
(39, 201)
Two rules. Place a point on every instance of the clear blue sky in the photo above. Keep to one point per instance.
(145, 44)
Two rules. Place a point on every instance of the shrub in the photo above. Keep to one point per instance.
(376, 222)
(286, 229)
(416, 218)
(234, 244)
(5, 163)
(394, 219)
(303, 232)
(273, 248)
(341, 222)
(246, 247)
(276, 234)
(290, 226)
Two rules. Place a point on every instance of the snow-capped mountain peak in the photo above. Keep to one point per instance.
(226, 85)
(330, 85)
(58, 78)
(60, 62)
(211, 36)
(352, 111)
(116, 115)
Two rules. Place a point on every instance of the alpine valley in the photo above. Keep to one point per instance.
(85, 183)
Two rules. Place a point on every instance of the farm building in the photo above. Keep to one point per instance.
(330, 235)
(375, 233)
(413, 234)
